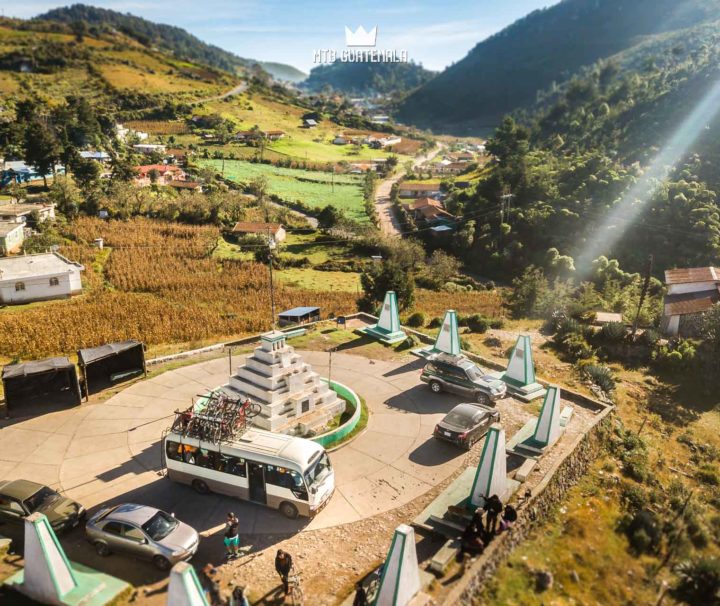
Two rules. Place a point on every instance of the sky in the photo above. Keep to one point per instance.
(434, 33)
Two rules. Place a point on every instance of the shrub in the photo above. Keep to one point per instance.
(698, 581)
(613, 332)
(477, 323)
(634, 497)
(410, 342)
(601, 376)
(497, 323)
(435, 322)
(649, 338)
(674, 357)
(644, 532)
(708, 474)
(416, 320)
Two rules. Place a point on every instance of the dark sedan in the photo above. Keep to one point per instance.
(20, 498)
(465, 424)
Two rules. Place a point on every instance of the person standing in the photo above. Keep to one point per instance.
(493, 508)
(283, 566)
(360, 595)
(232, 539)
(238, 597)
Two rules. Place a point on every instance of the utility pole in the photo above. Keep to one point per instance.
(643, 294)
(330, 353)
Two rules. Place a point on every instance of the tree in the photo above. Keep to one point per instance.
(329, 217)
(711, 327)
(377, 279)
(529, 292)
(66, 196)
(442, 267)
(42, 149)
(80, 29)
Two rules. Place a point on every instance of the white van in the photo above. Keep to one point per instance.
(291, 474)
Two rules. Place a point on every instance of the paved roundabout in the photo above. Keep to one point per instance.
(110, 452)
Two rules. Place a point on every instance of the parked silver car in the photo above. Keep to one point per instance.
(144, 532)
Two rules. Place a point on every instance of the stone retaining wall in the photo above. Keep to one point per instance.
(535, 510)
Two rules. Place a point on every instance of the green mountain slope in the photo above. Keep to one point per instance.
(617, 162)
(507, 70)
(365, 78)
(164, 37)
(286, 73)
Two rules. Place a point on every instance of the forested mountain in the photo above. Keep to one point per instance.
(167, 38)
(548, 46)
(578, 167)
(286, 73)
(367, 78)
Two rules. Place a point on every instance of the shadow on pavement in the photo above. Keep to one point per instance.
(434, 452)
(420, 400)
(412, 366)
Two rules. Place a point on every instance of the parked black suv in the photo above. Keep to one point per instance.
(460, 376)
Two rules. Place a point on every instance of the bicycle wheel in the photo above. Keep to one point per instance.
(252, 410)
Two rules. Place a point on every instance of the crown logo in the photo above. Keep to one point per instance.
(360, 37)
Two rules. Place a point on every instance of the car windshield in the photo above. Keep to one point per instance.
(318, 470)
(458, 420)
(474, 373)
(40, 498)
(159, 526)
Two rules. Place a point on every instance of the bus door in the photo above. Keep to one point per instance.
(256, 478)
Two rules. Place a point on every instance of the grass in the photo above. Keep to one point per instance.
(314, 188)
(312, 279)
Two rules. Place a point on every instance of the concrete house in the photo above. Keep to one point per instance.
(20, 213)
(256, 228)
(38, 278)
(410, 189)
(165, 173)
(690, 292)
(12, 236)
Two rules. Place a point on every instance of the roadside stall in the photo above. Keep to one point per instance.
(109, 364)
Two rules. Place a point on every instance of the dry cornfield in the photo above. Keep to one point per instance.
(159, 283)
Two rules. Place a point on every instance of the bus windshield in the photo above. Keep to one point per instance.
(318, 471)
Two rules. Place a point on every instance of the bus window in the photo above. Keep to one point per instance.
(285, 478)
(173, 451)
(206, 458)
(232, 465)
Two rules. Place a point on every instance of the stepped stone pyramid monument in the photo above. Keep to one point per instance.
(491, 474)
(388, 329)
(400, 581)
(184, 588)
(289, 392)
(520, 373)
(50, 578)
(447, 341)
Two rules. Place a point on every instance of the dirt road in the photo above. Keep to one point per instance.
(389, 224)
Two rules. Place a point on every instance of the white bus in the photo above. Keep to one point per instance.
(291, 474)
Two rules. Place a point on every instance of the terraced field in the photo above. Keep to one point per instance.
(314, 188)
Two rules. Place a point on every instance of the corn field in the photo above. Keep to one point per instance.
(158, 282)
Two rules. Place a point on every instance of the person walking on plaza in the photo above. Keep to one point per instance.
(283, 566)
(232, 540)
(493, 508)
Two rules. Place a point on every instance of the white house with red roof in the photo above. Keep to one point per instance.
(690, 293)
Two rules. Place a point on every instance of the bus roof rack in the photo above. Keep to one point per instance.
(215, 417)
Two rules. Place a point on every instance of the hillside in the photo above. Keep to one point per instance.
(547, 46)
(168, 38)
(282, 72)
(367, 78)
(47, 61)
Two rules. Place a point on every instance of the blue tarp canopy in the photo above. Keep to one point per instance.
(299, 312)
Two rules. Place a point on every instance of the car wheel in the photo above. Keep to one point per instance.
(161, 563)
(435, 386)
(288, 510)
(482, 398)
(471, 442)
(200, 487)
(102, 549)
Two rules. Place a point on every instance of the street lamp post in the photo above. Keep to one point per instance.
(271, 247)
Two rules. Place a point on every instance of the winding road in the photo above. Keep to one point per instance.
(389, 223)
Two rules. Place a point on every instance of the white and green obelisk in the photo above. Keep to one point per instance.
(50, 578)
(387, 329)
(520, 373)
(184, 588)
(400, 581)
(447, 341)
(491, 475)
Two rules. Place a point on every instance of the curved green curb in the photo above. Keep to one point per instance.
(331, 438)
